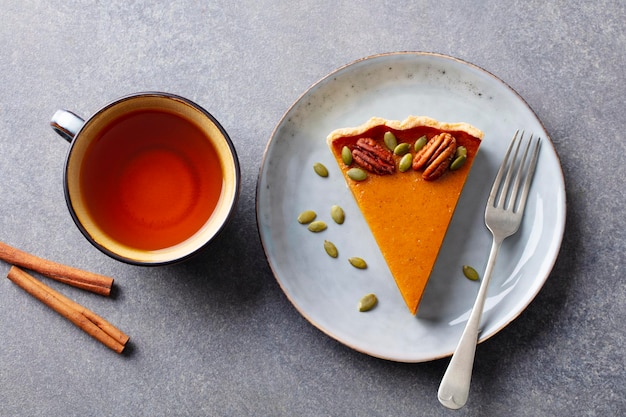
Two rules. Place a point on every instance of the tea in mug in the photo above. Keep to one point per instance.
(151, 179)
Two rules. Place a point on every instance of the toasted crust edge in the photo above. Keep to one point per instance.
(408, 123)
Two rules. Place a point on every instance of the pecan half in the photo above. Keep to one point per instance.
(435, 157)
(370, 155)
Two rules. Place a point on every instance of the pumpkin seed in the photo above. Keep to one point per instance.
(458, 162)
(401, 149)
(358, 262)
(419, 144)
(390, 140)
(317, 226)
(357, 174)
(307, 217)
(346, 155)
(470, 273)
(337, 214)
(331, 249)
(461, 150)
(368, 302)
(405, 162)
(320, 169)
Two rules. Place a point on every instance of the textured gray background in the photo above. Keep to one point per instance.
(215, 335)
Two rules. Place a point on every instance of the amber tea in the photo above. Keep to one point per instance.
(151, 179)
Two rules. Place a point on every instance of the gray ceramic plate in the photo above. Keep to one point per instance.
(325, 290)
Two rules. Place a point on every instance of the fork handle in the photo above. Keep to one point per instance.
(455, 384)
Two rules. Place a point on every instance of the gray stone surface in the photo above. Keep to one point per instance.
(215, 335)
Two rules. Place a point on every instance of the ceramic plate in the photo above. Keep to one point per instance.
(326, 291)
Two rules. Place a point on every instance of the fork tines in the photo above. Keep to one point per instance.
(507, 198)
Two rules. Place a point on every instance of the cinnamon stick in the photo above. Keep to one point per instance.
(83, 318)
(107, 327)
(99, 284)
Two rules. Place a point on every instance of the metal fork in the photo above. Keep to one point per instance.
(503, 216)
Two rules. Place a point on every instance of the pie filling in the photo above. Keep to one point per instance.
(407, 208)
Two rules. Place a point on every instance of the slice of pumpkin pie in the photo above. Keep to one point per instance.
(407, 177)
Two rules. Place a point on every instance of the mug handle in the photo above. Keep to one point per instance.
(66, 124)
